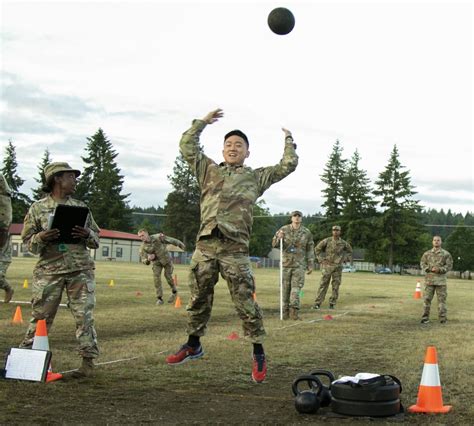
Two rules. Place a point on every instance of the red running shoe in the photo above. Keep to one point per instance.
(184, 354)
(259, 368)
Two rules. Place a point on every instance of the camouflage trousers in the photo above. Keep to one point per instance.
(442, 292)
(293, 282)
(4, 285)
(157, 268)
(230, 259)
(331, 274)
(80, 292)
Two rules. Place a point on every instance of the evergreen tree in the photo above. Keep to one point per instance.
(358, 211)
(20, 201)
(333, 175)
(38, 192)
(182, 205)
(399, 230)
(460, 244)
(262, 230)
(101, 183)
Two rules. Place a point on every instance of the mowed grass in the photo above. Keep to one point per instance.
(375, 328)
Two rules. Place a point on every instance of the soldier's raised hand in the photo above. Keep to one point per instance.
(213, 116)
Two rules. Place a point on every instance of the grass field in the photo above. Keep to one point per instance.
(375, 328)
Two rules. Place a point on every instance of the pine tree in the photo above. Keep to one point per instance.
(399, 231)
(38, 192)
(358, 211)
(101, 184)
(182, 205)
(333, 175)
(460, 244)
(20, 201)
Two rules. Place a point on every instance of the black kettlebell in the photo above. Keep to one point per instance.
(307, 401)
(325, 396)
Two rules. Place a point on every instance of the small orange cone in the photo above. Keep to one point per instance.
(233, 336)
(430, 399)
(417, 294)
(111, 283)
(25, 283)
(138, 293)
(17, 317)
(328, 317)
(177, 304)
(40, 342)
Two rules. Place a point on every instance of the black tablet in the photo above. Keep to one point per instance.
(66, 218)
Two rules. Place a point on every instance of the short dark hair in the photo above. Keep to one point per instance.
(237, 133)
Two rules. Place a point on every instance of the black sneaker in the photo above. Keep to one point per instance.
(332, 306)
(443, 321)
(425, 321)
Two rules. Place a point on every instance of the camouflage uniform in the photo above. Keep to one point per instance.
(331, 254)
(5, 222)
(298, 256)
(62, 266)
(157, 246)
(228, 194)
(436, 282)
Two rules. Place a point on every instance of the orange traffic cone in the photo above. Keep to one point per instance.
(177, 304)
(417, 294)
(40, 342)
(25, 283)
(430, 399)
(17, 317)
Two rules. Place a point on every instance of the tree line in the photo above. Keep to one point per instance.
(382, 218)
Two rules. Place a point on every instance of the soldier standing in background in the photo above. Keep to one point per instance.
(436, 263)
(153, 250)
(229, 191)
(298, 258)
(5, 247)
(331, 253)
(62, 266)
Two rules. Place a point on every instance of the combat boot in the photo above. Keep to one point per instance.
(173, 296)
(8, 295)
(85, 370)
(294, 315)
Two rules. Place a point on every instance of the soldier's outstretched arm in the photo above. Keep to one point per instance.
(270, 175)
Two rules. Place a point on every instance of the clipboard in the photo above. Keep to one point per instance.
(65, 218)
(27, 364)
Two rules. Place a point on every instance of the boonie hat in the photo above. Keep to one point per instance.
(53, 168)
(296, 212)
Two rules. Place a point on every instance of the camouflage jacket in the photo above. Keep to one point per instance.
(57, 258)
(436, 258)
(157, 246)
(333, 252)
(298, 246)
(228, 193)
(5, 220)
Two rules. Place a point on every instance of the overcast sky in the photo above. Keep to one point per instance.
(371, 74)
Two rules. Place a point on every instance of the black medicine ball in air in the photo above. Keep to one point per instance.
(281, 21)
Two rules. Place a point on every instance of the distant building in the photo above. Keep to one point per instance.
(114, 246)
